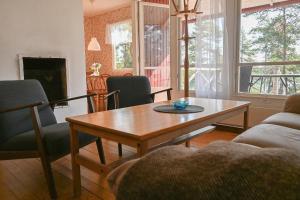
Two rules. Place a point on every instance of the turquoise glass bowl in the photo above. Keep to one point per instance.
(180, 105)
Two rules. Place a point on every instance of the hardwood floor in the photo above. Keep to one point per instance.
(24, 179)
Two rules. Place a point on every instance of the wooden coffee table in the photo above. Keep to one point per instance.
(142, 128)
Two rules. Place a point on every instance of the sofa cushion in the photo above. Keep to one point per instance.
(269, 135)
(290, 120)
(56, 138)
(221, 170)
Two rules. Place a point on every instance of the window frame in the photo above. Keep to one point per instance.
(238, 64)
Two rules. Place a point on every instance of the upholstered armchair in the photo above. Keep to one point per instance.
(132, 91)
(28, 128)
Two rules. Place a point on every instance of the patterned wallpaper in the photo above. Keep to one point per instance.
(96, 27)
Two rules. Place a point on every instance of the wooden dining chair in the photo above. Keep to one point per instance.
(133, 91)
(97, 85)
(128, 74)
(28, 128)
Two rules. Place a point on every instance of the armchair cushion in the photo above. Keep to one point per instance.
(18, 93)
(292, 104)
(290, 120)
(134, 90)
(56, 138)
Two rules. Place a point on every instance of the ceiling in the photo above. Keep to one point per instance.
(252, 3)
(101, 6)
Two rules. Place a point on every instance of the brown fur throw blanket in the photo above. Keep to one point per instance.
(221, 170)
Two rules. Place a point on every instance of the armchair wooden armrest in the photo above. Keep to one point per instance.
(22, 107)
(88, 96)
(115, 95)
(71, 99)
(168, 90)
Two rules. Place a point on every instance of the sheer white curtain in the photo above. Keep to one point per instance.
(118, 33)
(212, 76)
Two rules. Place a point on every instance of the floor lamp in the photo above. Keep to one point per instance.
(186, 13)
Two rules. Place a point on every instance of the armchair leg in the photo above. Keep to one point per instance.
(49, 177)
(100, 150)
(120, 149)
(44, 158)
(188, 143)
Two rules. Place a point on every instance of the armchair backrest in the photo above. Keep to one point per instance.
(20, 93)
(245, 76)
(292, 104)
(134, 90)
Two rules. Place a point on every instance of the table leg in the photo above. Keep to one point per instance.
(188, 143)
(246, 119)
(142, 149)
(75, 166)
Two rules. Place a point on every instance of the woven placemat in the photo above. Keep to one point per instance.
(171, 109)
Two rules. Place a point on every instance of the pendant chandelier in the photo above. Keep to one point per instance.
(93, 44)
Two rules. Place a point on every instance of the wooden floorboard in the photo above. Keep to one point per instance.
(24, 179)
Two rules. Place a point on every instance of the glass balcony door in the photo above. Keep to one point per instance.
(154, 43)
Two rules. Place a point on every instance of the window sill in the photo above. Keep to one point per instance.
(260, 96)
(264, 97)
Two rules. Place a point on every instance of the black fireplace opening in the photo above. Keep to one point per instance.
(51, 72)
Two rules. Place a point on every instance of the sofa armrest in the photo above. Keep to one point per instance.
(114, 177)
(292, 104)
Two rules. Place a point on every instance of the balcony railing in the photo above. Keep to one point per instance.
(264, 83)
(274, 78)
(256, 78)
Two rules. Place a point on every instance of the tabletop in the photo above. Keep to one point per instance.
(142, 121)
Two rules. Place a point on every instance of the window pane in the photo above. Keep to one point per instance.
(270, 47)
(123, 56)
(121, 39)
(269, 33)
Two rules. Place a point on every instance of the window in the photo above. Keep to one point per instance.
(119, 35)
(122, 55)
(269, 56)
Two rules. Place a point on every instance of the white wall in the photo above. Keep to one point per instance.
(44, 27)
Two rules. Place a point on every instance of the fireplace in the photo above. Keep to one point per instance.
(51, 72)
